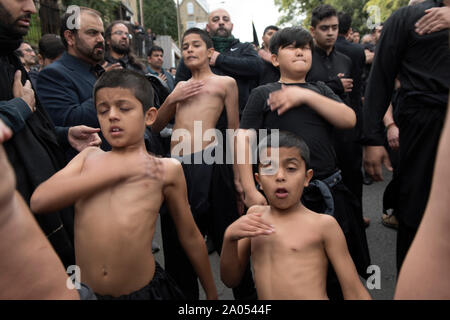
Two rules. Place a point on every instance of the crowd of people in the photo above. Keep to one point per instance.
(96, 144)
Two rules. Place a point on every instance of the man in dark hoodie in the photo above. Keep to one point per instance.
(36, 147)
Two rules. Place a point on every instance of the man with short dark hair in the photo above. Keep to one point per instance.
(50, 49)
(27, 56)
(65, 87)
(155, 59)
(117, 45)
(269, 73)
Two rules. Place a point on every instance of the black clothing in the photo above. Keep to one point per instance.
(240, 61)
(269, 74)
(346, 142)
(327, 67)
(126, 63)
(421, 63)
(303, 121)
(161, 287)
(34, 151)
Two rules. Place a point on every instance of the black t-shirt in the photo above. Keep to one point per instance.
(302, 120)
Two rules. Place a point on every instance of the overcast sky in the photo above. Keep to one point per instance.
(242, 12)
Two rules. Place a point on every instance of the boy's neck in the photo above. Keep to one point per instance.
(297, 208)
(138, 147)
(201, 72)
(292, 79)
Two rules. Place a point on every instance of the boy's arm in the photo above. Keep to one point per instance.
(232, 107)
(184, 90)
(337, 252)
(236, 245)
(337, 113)
(69, 185)
(175, 194)
(246, 139)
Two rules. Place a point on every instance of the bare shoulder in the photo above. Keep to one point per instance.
(172, 170)
(326, 223)
(227, 81)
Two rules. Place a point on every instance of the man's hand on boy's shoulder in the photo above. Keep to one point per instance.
(185, 90)
(249, 225)
(287, 98)
(81, 137)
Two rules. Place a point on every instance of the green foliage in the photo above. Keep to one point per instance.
(105, 7)
(161, 17)
(298, 12)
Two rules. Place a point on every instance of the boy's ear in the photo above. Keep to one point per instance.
(210, 52)
(150, 116)
(258, 180)
(274, 59)
(308, 177)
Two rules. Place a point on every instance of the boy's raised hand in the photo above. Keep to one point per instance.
(287, 98)
(186, 89)
(249, 225)
(25, 92)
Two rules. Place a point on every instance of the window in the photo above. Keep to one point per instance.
(190, 8)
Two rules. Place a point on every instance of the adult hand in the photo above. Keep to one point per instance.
(111, 67)
(393, 136)
(373, 157)
(212, 61)
(25, 92)
(163, 77)
(347, 83)
(81, 137)
(265, 55)
(435, 19)
(287, 98)
(369, 56)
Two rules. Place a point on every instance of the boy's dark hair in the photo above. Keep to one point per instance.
(127, 79)
(154, 49)
(51, 46)
(345, 22)
(286, 140)
(291, 35)
(70, 15)
(270, 28)
(202, 33)
(322, 12)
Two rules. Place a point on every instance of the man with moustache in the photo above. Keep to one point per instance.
(118, 39)
(35, 148)
(65, 87)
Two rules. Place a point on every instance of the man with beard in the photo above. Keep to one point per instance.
(118, 38)
(65, 87)
(155, 59)
(27, 56)
(35, 148)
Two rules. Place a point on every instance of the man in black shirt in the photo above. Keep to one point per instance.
(421, 63)
(310, 110)
(338, 71)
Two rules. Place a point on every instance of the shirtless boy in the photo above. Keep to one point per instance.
(290, 245)
(198, 101)
(117, 197)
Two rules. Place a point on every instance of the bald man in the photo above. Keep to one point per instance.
(241, 62)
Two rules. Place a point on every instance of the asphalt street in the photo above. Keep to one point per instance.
(381, 242)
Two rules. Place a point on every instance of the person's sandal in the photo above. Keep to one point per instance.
(389, 221)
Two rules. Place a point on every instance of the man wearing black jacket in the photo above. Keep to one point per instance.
(35, 149)
(421, 63)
